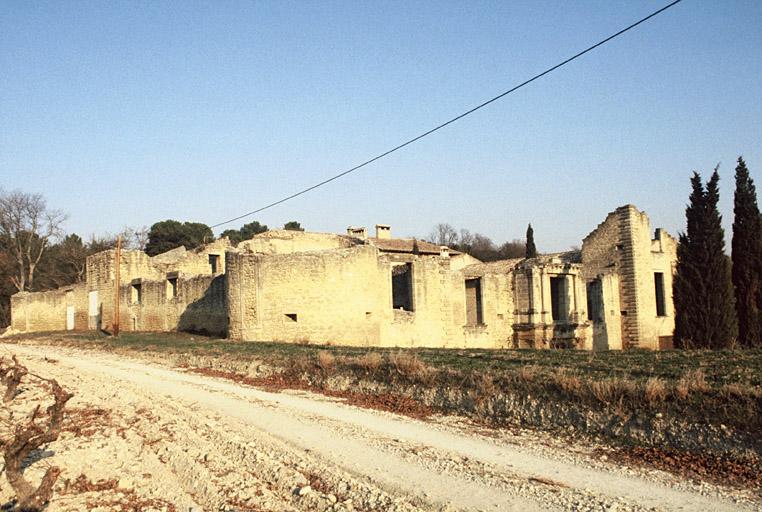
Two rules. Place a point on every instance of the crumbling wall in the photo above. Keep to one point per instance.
(621, 253)
(601, 252)
(197, 306)
(324, 296)
(344, 296)
(53, 310)
(157, 311)
(281, 241)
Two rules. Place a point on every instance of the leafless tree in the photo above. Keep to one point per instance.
(28, 226)
(444, 234)
(20, 436)
(140, 238)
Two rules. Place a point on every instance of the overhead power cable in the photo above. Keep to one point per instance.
(456, 118)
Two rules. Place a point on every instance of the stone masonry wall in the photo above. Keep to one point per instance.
(198, 306)
(48, 310)
(345, 297)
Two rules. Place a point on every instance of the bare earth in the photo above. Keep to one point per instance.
(163, 439)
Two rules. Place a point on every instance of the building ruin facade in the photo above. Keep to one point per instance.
(353, 289)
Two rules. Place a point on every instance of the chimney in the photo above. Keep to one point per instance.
(383, 231)
(360, 233)
(444, 251)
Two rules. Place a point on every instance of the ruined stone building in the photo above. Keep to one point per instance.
(354, 289)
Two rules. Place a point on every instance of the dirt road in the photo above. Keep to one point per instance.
(194, 442)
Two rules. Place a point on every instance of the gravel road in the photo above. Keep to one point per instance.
(192, 442)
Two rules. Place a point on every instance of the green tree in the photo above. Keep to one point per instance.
(703, 290)
(747, 258)
(293, 226)
(233, 235)
(531, 250)
(246, 232)
(170, 234)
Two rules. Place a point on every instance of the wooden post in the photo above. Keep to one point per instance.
(117, 264)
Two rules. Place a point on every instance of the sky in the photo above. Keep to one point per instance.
(128, 113)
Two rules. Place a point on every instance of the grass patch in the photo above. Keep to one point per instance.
(721, 387)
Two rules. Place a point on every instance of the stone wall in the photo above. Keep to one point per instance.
(304, 287)
(54, 310)
(281, 241)
(621, 253)
(344, 296)
(198, 305)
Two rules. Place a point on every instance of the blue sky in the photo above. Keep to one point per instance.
(126, 113)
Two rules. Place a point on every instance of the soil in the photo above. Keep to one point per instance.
(141, 436)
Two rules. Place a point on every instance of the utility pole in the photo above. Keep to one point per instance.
(117, 264)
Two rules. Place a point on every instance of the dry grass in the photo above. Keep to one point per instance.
(718, 387)
(325, 360)
(655, 391)
(614, 391)
(370, 361)
(528, 373)
(693, 381)
(409, 366)
(568, 382)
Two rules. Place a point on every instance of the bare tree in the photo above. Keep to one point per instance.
(135, 238)
(21, 435)
(444, 234)
(28, 226)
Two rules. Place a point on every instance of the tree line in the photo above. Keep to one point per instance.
(481, 246)
(718, 300)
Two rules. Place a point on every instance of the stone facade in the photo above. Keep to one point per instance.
(358, 290)
(176, 290)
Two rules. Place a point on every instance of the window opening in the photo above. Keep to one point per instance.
(402, 287)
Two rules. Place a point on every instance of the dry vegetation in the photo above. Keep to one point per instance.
(723, 387)
(24, 432)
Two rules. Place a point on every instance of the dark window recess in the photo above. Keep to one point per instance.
(661, 306)
(559, 299)
(402, 287)
(474, 302)
(595, 301)
(214, 262)
(171, 287)
(291, 316)
(136, 296)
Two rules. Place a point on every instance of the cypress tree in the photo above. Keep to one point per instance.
(686, 287)
(531, 250)
(747, 258)
(703, 290)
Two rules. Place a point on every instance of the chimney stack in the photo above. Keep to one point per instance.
(383, 231)
(360, 233)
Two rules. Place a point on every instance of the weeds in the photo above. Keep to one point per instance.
(370, 362)
(409, 366)
(569, 383)
(655, 391)
(326, 361)
(692, 381)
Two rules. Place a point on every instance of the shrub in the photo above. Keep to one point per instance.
(692, 381)
(409, 365)
(325, 360)
(655, 390)
(569, 383)
(528, 373)
(370, 361)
